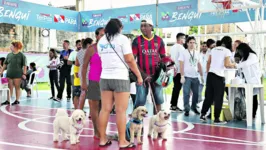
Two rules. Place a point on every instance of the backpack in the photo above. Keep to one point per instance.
(240, 105)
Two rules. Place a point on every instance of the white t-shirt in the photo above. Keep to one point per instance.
(54, 62)
(191, 60)
(133, 88)
(232, 58)
(175, 52)
(218, 55)
(112, 65)
(72, 57)
(203, 61)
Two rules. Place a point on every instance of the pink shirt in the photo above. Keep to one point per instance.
(95, 66)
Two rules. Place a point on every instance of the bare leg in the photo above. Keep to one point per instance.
(107, 105)
(10, 86)
(94, 112)
(76, 102)
(17, 83)
(121, 104)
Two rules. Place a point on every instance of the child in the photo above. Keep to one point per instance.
(76, 88)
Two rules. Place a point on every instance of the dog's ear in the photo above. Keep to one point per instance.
(135, 113)
(158, 116)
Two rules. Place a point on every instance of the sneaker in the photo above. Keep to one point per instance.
(178, 109)
(15, 103)
(173, 108)
(68, 98)
(58, 99)
(6, 103)
(196, 111)
(203, 118)
(209, 116)
(187, 113)
(218, 122)
(51, 98)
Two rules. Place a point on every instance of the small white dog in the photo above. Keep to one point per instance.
(159, 124)
(135, 124)
(69, 125)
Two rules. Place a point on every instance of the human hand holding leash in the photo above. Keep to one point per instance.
(139, 80)
(84, 87)
(202, 80)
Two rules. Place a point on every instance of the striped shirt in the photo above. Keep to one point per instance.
(80, 57)
(148, 52)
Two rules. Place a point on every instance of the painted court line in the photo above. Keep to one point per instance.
(205, 124)
(22, 125)
(176, 120)
(27, 146)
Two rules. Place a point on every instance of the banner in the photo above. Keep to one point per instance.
(185, 13)
(130, 17)
(29, 14)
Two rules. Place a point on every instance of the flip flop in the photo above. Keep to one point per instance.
(131, 145)
(106, 144)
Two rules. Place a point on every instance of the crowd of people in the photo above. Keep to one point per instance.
(99, 71)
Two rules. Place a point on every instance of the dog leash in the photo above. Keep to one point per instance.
(152, 98)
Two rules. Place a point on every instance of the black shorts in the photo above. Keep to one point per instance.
(76, 91)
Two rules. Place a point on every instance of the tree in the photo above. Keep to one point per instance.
(194, 30)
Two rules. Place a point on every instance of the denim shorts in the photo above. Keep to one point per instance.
(76, 91)
(142, 92)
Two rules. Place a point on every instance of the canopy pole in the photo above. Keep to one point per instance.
(157, 17)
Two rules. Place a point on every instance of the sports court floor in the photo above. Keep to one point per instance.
(29, 126)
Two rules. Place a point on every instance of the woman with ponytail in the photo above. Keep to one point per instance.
(16, 65)
(116, 55)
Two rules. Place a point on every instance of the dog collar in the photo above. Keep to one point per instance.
(79, 130)
(136, 121)
(160, 126)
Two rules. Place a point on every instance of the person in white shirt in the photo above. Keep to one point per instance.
(71, 61)
(53, 73)
(116, 55)
(175, 52)
(219, 59)
(250, 69)
(189, 69)
(203, 61)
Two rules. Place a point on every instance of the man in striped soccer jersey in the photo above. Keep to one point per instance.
(148, 49)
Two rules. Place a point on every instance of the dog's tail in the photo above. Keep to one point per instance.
(61, 112)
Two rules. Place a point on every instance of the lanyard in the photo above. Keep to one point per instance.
(191, 55)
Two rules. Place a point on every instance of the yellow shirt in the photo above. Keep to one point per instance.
(76, 79)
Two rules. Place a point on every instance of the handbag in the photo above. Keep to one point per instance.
(132, 76)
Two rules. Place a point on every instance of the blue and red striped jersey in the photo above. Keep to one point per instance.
(148, 52)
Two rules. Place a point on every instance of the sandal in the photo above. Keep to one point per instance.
(106, 144)
(15, 103)
(131, 145)
(6, 103)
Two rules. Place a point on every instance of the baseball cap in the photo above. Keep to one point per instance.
(148, 21)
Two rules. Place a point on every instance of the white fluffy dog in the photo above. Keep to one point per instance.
(69, 125)
(135, 124)
(159, 124)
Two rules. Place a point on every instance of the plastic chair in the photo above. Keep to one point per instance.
(34, 82)
(3, 88)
